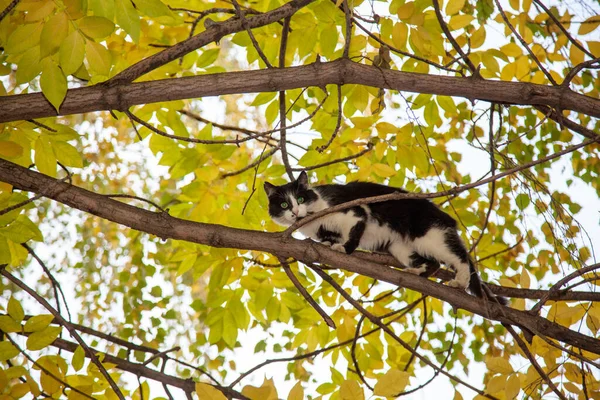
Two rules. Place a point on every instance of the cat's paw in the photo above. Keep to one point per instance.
(417, 270)
(326, 243)
(338, 247)
(455, 283)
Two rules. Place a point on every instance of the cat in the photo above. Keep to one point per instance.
(415, 231)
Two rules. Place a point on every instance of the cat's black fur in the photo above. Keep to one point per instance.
(415, 231)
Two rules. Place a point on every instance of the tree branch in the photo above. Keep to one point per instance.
(342, 71)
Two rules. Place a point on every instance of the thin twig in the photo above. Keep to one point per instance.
(129, 196)
(242, 16)
(282, 109)
(444, 26)
(325, 164)
(8, 9)
(348, 17)
(338, 122)
(290, 274)
(253, 164)
(524, 43)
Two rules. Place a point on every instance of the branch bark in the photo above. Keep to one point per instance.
(306, 251)
(339, 72)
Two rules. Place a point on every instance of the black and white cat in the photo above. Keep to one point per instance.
(415, 231)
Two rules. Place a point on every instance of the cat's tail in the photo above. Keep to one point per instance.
(479, 288)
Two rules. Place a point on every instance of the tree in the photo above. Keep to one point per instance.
(134, 236)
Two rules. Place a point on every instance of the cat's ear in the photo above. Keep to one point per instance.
(269, 188)
(303, 179)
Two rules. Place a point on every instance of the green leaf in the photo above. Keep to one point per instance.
(98, 57)
(29, 65)
(53, 83)
(230, 330)
(103, 8)
(4, 251)
(153, 8)
(522, 201)
(15, 310)
(67, 154)
(207, 58)
(71, 54)
(38, 323)
(53, 34)
(45, 160)
(43, 338)
(7, 351)
(21, 230)
(392, 383)
(23, 38)
(96, 27)
(78, 358)
(128, 18)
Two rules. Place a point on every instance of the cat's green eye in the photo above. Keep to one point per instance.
(284, 205)
(300, 200)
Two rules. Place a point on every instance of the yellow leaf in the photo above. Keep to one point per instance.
(266, 392)
(406, 11)
(514, 4)
(38, 323)
(454, 6)
(496, 384)
(511, 50)
(10, 149)
(594, 47)
(392, 383)
(508, 72)
(513, 387)
(457, 396)
(67, 154)
(523, 67)
(128, 18)
(399, 35)
(525, 280)
(78, 358)
(23, 38)
(53, 83)
(53, 34)
(41, 339)
(96, 27)
(7, 351)
(576, 55)
(499, 365)
(351, 390)
(207, 392)
(460, 21)
(589, 25)
(383, 170)
(478, 37)
(98, 58)
(15, 310)
(45, 160)
(297, 392)
(71, 53)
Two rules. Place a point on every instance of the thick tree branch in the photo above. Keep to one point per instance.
(342, 71)
(306, 251)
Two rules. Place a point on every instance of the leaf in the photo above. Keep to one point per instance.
(43, 338)
(499, 365)
(78, 358)
(10, 149)
(207, 392)
(71, 54)
(525, 280)
(513, 387)
(351, 390)
(207, 57)
(53, 34)
(7, 351)
(53, 83)
(383, 170)
(29, 65)
(266, 392)
(128, 18)
(8, 324)
(96, 27)
(15, 310)
(522, 201)
(103, 8)
(45, 160)
(297, 392)
(153, 8)
(407, 10)
(23, 38)
(454, 6)
(98, 58)
(392, 383)
(496, 384)
(230, 330)
(67, 154)
(460, 21)
(75, 8)
(589, 25)
(38, 323)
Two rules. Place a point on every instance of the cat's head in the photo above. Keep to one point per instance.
(292, 201)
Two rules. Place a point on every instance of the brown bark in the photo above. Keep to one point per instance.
(307, 251)
(342, 71)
